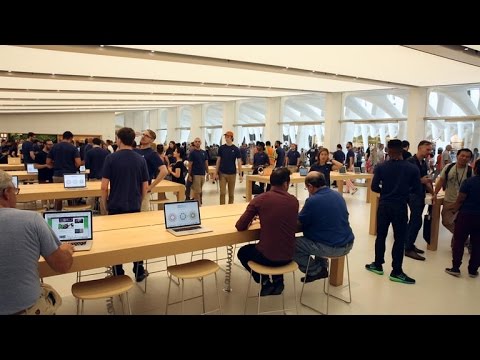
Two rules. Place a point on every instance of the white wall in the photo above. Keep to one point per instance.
(88, 123)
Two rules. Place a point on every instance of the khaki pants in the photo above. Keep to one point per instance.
(197, 185)
(224, 180)
(146, 202)
(448, 216)
(47, 304)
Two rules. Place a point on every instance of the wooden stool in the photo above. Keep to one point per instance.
(271, 270)
(159, 204)
(193, 270)
(103, 288)
(326, 284)
(77, 207)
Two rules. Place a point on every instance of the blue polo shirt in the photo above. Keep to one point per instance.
(228, 157)
(198, 158)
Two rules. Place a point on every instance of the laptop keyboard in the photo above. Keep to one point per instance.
(78, 243)
(187, 228)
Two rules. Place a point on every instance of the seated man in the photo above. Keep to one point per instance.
(326, 230)
(278, 211)
(26, 236)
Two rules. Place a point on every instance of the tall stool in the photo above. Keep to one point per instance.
(102, 289)
(193, 270)
(326, 283)
(270, 270)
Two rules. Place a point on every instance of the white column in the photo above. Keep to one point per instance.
(417, 108)
(476, 135)
(197, 122)
(172, 123)
(230, 111)
(154, 123)
(333, 113)
(274, 114)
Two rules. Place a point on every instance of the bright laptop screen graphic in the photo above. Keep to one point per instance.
(182, 214)
(70, 225)
(31, 169)
(72, 181)
(15, 181)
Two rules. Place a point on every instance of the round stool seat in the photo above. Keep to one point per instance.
(102, 288)
(273, 270)
(193, 270)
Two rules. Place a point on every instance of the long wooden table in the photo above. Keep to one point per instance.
(25, 175)
(139, 239)
(295, 178)
(434, 227)
(57, 191)
(6, 167)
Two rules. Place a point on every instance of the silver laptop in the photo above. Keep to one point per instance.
(31, 169)
(74, 181)
(357, 170)
(15, 181)
(82, 168)
(74, 227)
(342, 170)
(303, 171)
(183, 218)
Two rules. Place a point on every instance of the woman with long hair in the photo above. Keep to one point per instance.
(324, 165)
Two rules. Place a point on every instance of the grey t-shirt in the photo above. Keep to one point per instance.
(25, 236)
(455, 179)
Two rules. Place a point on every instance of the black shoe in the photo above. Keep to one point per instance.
(413, 255)
(374, 268)
(453, 271)
(417, 250)
(321, 275)
(141, 277)
(278, 288)
(473, 274)
(267, 288)
(401, 278)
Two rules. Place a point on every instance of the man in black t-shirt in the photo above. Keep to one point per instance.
(228, 159)
(28, 150)
(45, 172)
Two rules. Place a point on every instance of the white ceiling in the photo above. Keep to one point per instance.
(129, 77)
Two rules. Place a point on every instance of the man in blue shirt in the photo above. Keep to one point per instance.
(326, 230)
(398, 178)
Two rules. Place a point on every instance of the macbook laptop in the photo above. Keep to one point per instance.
(15, 181)
(82, 168)
(74, 181)
(362, 169)
(31, 169)
(357, 170)
(342, 170)
(183, 218)
(74, 227)
(303, 171)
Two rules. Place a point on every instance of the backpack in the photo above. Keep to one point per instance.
(447, 170)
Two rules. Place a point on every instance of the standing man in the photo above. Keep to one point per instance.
(45, 172)
(127, 174)
(28, 151)
(26, 236)
(64, 158)
(405, 153)
(197, 168)
(446, 159)
(416, 201)
(398, 179)
(452, 177)
(280, 155)
(326, 230)
(228, 160)
(278, 211)
(95, 159)
(292, 161)
(154, 164)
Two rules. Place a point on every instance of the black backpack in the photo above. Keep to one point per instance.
(447, 170)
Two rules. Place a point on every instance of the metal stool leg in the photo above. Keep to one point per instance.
(246, 296)
(168, 294)
(218, 295)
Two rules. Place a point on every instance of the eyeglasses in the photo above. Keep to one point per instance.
(15, 190)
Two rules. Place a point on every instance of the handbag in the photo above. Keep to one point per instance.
(427, 225)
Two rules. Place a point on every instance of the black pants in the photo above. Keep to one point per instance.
(250, 252)
(416, 204)
(395, 214)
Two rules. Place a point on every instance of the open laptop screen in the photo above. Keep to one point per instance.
(72, 181)
(31, 169)
(70, 225)
(15, 181)
(184, 213)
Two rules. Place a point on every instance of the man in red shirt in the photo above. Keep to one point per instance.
(278, 213)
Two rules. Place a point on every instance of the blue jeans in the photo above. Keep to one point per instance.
(306, 247)
(416, 204)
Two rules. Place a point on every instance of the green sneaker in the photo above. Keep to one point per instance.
(377, 269)
(401, 278)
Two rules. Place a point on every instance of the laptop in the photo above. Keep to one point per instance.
(73, 227)
(31, 169)
(363, 170)
(15, 181)
(342, 170)
(303, 171)
(357, 170)
(74, 181)
(82, 168)
(183, 218)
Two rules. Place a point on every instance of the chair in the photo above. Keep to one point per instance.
(193, 270)
(326, 283)
(270, 270)
(103, 288)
